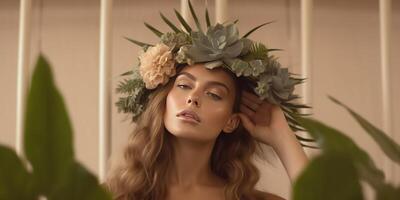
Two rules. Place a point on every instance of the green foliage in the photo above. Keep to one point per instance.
(336, 173)
(48, 148)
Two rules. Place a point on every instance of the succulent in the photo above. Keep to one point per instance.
(219, 43)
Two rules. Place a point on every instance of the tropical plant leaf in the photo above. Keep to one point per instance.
(196, 20)
(80, 184)
(255, 28)
(141, 44)
(154, 30)
(388, 192)
(330, 176)
(183, 22)
(388, 146)
(15, 180)
(170, 24)
(48, 131)
(333, 141)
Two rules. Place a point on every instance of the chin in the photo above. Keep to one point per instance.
(189, 133)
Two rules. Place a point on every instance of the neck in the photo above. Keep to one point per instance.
(191, 165)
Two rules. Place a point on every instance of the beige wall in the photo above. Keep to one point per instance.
(345, 62)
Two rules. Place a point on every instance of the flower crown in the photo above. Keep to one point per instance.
(218, 46)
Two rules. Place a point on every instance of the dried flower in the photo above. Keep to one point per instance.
(157, 65)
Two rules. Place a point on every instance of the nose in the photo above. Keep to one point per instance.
(193, 100)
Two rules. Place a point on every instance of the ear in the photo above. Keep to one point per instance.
(232, 123)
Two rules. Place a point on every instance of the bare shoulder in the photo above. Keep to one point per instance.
(269, 196)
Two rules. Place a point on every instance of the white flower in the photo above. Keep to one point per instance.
(157, 65)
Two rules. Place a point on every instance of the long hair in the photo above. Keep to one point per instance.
(149, 155)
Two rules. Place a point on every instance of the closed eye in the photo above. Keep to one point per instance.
(212, 95)
(182, 86)
(215, 96)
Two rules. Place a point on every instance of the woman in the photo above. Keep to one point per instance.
(197, 137)
(200, 102)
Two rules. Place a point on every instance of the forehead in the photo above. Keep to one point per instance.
(203, 74)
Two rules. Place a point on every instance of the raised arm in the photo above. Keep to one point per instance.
(267, 123)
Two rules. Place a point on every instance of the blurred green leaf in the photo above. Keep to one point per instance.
(388, 192)
(48, 131)
(391, 149)
(331, 140)
(331, 176)
(15, 180)
(80, 184)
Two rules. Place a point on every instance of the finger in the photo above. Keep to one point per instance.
(252, 105)
(246, 110)
(247, 123)
(252, 97)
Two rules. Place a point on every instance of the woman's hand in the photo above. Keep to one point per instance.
(264, 121)
(267, 123)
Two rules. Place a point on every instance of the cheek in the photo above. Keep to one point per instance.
(173, 104)
(216, 116)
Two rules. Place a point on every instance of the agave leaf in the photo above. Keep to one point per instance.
(255, 28)
(196, 20)
(170, 24)
(141, 44)
(154, 30)
(183, 22)
(208, 19)
(388, 146)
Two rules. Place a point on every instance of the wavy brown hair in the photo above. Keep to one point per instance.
(149, 155)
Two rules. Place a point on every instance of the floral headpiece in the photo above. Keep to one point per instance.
(218, 46)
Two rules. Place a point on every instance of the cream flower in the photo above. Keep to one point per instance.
(157, 65)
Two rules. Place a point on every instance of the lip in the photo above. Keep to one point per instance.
(189, 115)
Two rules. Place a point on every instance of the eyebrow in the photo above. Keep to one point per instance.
(189, 75)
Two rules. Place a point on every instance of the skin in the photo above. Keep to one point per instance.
(193, 89)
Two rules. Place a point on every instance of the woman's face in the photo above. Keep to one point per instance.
(208, 93)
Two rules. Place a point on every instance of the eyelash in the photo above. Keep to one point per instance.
(212, 94)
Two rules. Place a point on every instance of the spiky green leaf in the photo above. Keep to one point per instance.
(141, 44)
(170, 24)
(255, 28)
(154, 30)
(183, 22)
(196, 20)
